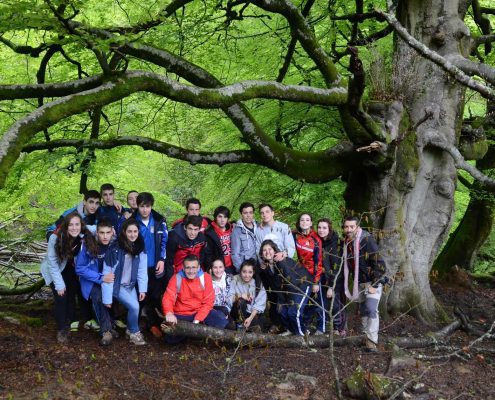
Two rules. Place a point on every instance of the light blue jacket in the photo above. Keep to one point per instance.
(52, 267)
(243, 244)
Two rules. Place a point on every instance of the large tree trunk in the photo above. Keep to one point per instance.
(414, 199)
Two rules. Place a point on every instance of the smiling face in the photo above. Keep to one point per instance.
(268, 253)
(350, 228)
(192, 231)
(305, 222)
(217, 269)
(247, 273)
(132, 233)
(74, 227)
(191, 269)
(323, 229)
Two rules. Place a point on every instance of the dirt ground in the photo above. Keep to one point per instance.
(33, 365)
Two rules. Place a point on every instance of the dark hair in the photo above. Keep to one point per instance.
(256, 275)
(244, 205)
(351, 218)
(329, 222)
(221, 210)
(192, 200)
(271, 243)
(133, 248)
(105, 222)
(190, 257)
(107, 186)
(92, 194)
(194, 220)
(145, 198)
(67, 246)
(298, 227)
(131, 191)
(263, 205)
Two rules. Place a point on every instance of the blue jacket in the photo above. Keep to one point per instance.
(155, 237)
(110, 213)
(89, 268)
(114, 262)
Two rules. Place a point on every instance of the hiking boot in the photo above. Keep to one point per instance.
(156, 331)
(92, 324)
(62, 337)
(137, 338)
(106, 338)
(370, 346)
(319, 333)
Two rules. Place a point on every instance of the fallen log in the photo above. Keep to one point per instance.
(22, 290)
(197, 331)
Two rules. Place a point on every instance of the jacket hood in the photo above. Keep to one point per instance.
(183, 274)
(240, 225)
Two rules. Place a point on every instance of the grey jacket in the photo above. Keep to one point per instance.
(243, 244)
(238, 287)
(280, 234)
(52, 267)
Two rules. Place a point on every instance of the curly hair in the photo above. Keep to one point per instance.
(66, 245)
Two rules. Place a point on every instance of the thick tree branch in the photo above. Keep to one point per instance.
(29, 50)
(194, 157)
(485, 71)
(436, 58)
(433, 140)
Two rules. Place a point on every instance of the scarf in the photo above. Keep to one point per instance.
(355, 285)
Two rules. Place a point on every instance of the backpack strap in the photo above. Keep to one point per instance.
(179, 282)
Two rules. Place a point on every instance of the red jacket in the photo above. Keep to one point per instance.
(192, 298)
(309, 253)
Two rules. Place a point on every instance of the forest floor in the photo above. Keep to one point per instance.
(33, 365)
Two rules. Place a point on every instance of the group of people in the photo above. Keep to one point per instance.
(216, 272)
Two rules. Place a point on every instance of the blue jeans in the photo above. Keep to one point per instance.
(102, 313)
(129, 299)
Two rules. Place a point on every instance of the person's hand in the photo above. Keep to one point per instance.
(108, 305)
(170, 318)
(329, 293)
(142, 296)
(371, 290)
(160, 265)
(245, 296)
(281, 255)
(118, 205)
(109, 278)
(316, 288)
(247, 322)
(61, 292)
(127, 214)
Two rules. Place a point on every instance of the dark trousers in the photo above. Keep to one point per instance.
(153, 300)
(102, 312)
(215, 318)
(239, 313)
(338, 311)
(272, 311)
(65, 306)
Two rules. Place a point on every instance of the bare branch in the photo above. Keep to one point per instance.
(436, 58)
(194, 157)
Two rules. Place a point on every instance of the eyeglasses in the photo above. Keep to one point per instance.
(190, 268)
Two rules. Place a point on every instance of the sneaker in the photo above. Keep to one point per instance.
(370, 346)
(74, 326)
(319, 333)
(106, 338)
(92, 324)
(119, 324)
(286, 333)
(156, 331)
(274, 329)
(62, 337)
(137, 338)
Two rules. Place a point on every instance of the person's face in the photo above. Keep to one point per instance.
(108, 197)
(91, 205)
(193, 209)
(104, 234)
(268, 253)
(349, 229)
(192, 231)
(247, 273)
(217, 269)
(305, 222)
(323, 230)
(132, 233)
(131, 200)
(267, 215)
(221, 220)
(144, 210)
(247, 216)
(74, 228)
(191, 269)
